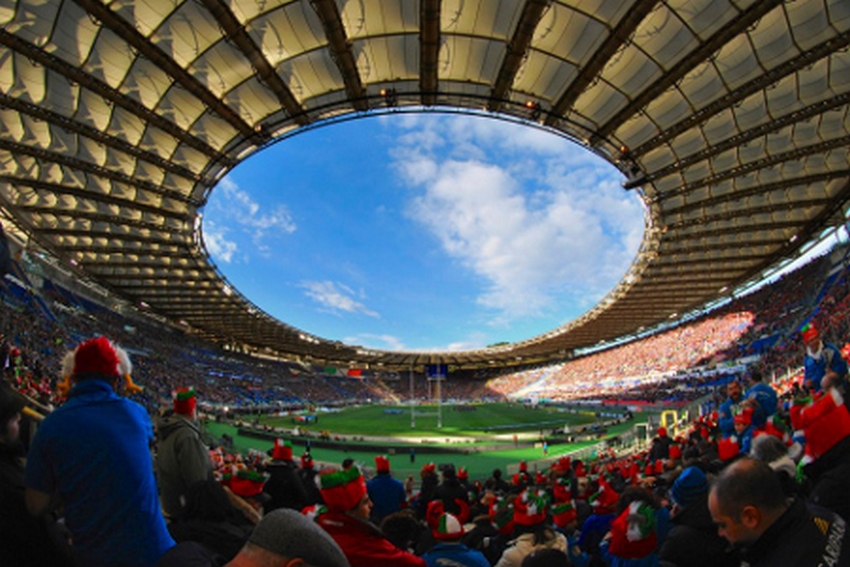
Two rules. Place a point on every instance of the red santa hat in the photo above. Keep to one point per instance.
(675, 452)
(633, 532)
(728, 448)
(809, 332)
(97, 356)
(306, 461)
(530, 507)
(382, 464)
(662, 432)
(282, 450)
(342, 490)
(523, 466)
(564, 512)
(501, 512)
(184, 401)
(428, 469)
(247, 483)
(605, 499)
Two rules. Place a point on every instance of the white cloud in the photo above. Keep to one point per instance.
(219, 247)
(235, 205)
(568, 236)
(383, 342)
(336, 297)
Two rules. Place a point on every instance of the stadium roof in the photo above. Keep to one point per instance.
(729, 118)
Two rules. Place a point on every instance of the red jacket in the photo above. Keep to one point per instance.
(363, 544)
(825, 422)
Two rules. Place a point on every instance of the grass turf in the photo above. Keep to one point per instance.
(372, 420)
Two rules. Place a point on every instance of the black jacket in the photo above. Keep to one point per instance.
(805, 534)
(694, 542)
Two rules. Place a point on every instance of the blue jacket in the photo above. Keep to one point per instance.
(387, 495)
(831, 358)
(94, 452)
(454, 555)
(766, 398)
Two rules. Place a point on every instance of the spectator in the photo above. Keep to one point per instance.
(660, 448)
(752, 513)
(93, 454)
(307, 475)
(773, 451)
(283, 538)
(386, 492)
(823, 361)
(693, 541)
(634, 537)
(347, 521)
(25, 541)
(182, 458)
(284, 488)
(729, 408)
(451, 492)
(532, 531)
(825, 421)
(449, 551)
(760, 397)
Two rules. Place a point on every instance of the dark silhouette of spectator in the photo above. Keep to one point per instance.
(751, 511)
(283, 538)
(182, 459)
(25, 541)
(93, 453)
(284, 487)
(387, 493)
(693, 541)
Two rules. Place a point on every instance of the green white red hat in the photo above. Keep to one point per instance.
(342, 490)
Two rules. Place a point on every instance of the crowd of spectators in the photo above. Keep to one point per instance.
(741, 468)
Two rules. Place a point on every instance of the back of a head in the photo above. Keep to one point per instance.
(289, 534)
(748, 482)
(768, 448)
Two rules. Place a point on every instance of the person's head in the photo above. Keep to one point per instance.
(810, 336)
(734, 390)
(745, 500)
(285, 538)
(754, 376)
(11, 405)
(185, 403)
(690, 487)
(345, 491)
(741, 422)
(99, 359)
(768, 448)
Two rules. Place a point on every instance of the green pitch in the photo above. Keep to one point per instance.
(475, 421)
(488, 424)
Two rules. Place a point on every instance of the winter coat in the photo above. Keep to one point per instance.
(804, 535)
(182, 459)
(694, 541)
(522, 546)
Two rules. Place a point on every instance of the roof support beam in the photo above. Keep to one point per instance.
(81, 193)
(515, 52)
(725, 34)
(140, 43)
(73, 74)
(588, 73)
(161, 236)
(769, 161)
(46, 115)
(91, 168)
(237, 33)
(760, 83)
(756, 190)
(690, 235)
(341, 53)
(81, 216)
(429, 50)
(738, 140)
(726, 215)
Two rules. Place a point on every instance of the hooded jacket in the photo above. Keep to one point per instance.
(182, 460)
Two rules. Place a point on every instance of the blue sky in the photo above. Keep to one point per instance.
(423, 231)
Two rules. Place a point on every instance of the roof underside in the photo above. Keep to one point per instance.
(730, 118)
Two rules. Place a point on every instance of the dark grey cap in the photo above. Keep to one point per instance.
(289, 534)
